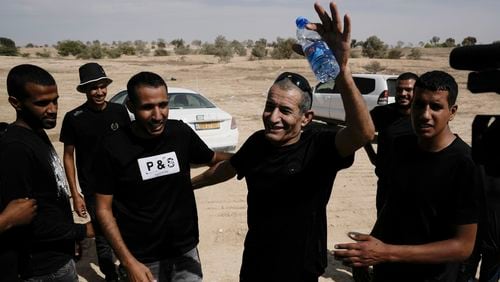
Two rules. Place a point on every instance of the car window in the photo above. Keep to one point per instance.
(120, 97)
(188, 101)
(391, 86)
(365, 85)
(325, 87)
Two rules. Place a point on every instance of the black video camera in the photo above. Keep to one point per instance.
(483, 61)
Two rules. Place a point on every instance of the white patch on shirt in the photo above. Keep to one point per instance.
(59, 174)
(159, 165)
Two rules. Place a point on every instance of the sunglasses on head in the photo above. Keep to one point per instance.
(296, 79)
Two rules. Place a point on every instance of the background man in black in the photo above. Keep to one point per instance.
(81, 133)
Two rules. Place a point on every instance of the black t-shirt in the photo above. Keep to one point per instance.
(29, 167)
(390, 124)
(288, 190)
(153, 199)
(428, 195)
(84, 128)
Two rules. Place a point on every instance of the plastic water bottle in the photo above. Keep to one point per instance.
(320, 56)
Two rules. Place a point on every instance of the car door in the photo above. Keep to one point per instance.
(322, 99)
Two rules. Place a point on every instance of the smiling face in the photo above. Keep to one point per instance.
(430, 114)
(150, 110)
(38, 109)
(283, 120)
(96, 95)
(404, 94)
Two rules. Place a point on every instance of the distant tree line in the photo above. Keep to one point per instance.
(223, 49)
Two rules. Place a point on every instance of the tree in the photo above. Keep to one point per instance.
(70, 47)
(469, 41)
(161, 43)
(434, 40)
(373, 47)
(8, 47)
(238, 48)
(283, 48)
(259, 49)
(177, 42)
(449, 42)
(222, 49)
(196, 42)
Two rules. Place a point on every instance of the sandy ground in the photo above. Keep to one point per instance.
(240, 87)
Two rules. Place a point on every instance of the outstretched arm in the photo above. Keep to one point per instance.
(368, 250)
(217, 173)
(359, 128)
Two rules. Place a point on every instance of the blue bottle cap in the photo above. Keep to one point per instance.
(301, 22)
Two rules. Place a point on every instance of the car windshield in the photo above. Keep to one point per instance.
(391, 86)
(188, 101)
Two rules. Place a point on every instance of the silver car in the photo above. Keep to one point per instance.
(215, 127)
(376, 89)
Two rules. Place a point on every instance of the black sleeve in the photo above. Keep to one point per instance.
(67, 135)
(200, 153)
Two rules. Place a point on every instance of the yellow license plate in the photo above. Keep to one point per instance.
(207, 125)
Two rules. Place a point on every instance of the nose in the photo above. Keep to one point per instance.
(157, 113)
(52, 108)
(275, 115)
(100, 90)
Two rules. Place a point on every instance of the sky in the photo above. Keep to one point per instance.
(409, 21)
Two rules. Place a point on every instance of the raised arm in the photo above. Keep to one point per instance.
(359, 128)
(136, 270)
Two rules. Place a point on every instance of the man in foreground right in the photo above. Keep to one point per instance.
(428, 223)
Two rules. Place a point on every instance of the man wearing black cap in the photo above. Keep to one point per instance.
(82, 129)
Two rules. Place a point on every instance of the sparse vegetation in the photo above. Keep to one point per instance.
(374, 67)
(415, 54)
(283, 48)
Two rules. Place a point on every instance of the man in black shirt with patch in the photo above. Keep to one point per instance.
(145, 201)
(81, 132)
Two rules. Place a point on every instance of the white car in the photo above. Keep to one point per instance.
(376, 89)
(215, 127)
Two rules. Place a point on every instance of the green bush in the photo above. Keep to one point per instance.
(283, 48)
(25, 55)
(374, 67)
(70, 47)
(161, 52)
(395, 53)
(415, 54)
(113, 53)
(182, 50)
(8, 47)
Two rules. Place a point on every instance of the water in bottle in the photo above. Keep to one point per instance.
(320, 56)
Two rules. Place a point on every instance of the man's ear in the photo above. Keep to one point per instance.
(130, 106)
(15, 103)
(453, 111)
(308, 116)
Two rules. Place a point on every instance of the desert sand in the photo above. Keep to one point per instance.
(240, 88)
